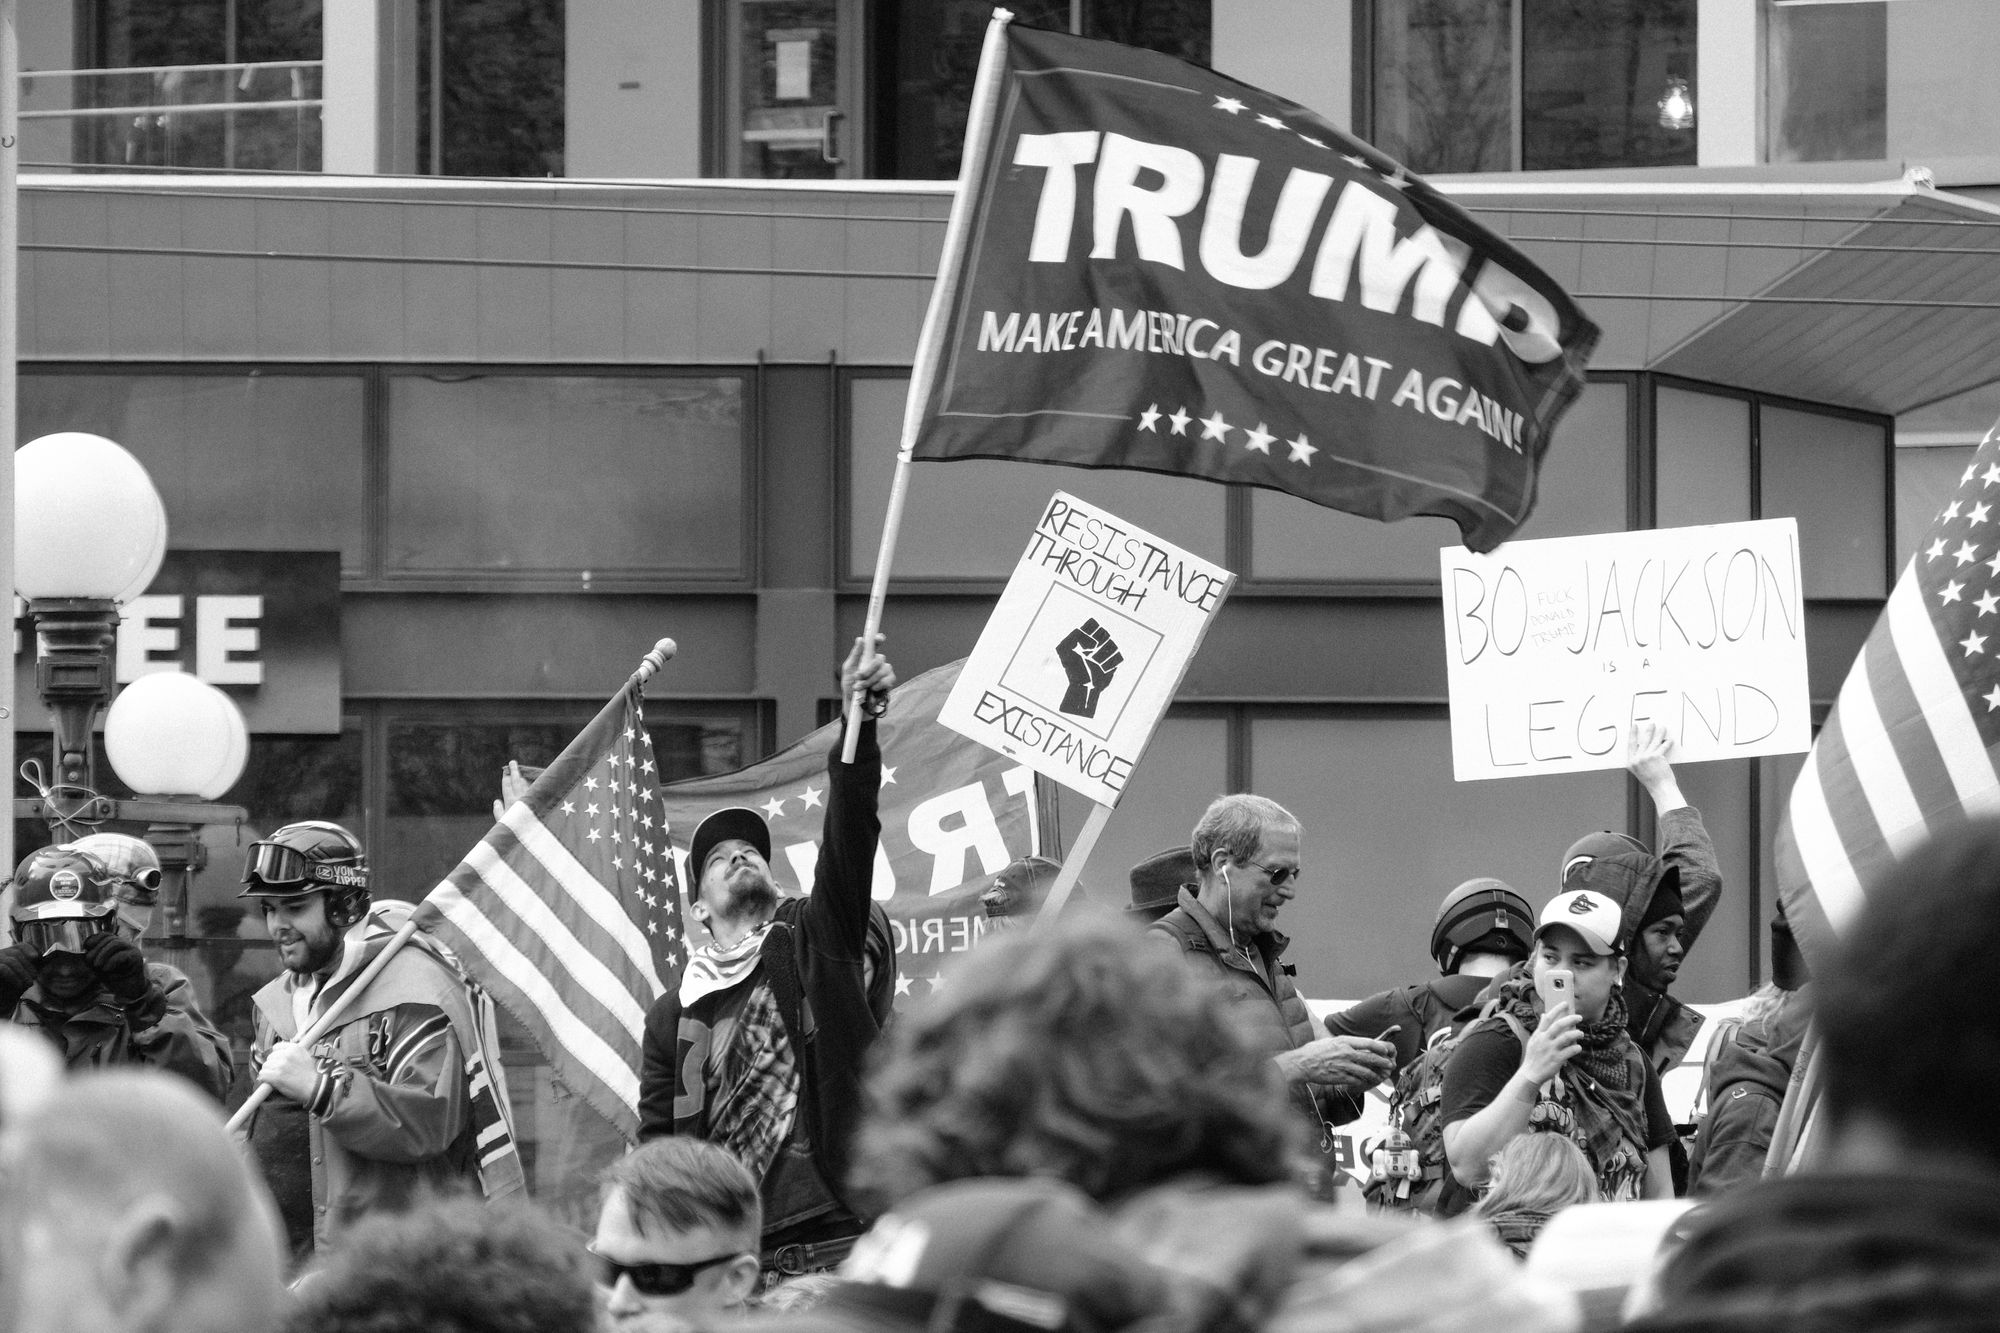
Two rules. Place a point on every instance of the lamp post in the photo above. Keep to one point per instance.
(185, 740)
(89, 535)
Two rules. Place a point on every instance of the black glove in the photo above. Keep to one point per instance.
(119, 965)
(19, 965)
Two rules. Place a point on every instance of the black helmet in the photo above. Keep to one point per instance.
(307, 857)
(1475, 910)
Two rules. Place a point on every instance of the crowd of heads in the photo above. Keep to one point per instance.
(1024, 1123)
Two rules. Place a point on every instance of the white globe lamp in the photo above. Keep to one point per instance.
(169, 734)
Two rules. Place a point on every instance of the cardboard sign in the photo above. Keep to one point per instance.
(1086, 648)
(1555, 649)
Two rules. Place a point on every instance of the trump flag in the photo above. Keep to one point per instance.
(1164, 269)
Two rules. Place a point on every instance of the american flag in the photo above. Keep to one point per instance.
(568, 912)
(1909, 745)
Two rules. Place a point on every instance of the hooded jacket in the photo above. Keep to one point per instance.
(1664, 1027)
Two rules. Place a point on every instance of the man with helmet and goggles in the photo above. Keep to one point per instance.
(377, 1114)
(73, 976)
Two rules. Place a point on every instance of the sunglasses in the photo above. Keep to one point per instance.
(654, 1279)
(1280, 877)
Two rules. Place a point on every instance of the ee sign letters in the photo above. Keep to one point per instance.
(1555, 649)
(1086, 648)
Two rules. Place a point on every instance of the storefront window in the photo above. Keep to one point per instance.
(971, 519)
(1703, 450)
(244, 462)
(583, 475)
(1828, 472)
(1582, 489)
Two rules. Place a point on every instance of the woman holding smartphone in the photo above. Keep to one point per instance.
(1554, 1057)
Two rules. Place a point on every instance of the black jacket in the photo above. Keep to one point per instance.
(815, 959)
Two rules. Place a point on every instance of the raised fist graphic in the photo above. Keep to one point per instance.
(1090, 657)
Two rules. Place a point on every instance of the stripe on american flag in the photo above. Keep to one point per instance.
(1910, 743)
(568, 911)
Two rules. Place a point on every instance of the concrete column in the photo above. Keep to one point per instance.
(1302, 50)
(369, 123)
(1729, 78)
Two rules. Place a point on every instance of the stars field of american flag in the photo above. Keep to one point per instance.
(568, 912)
(1910, 744)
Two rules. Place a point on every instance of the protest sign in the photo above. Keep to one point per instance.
(1086, 647)
(1556, 648)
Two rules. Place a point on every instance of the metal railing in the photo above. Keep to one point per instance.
(246, 115)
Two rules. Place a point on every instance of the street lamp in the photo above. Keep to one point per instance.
(181, 743)
(89, 534)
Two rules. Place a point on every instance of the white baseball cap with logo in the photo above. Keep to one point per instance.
(1593, 916)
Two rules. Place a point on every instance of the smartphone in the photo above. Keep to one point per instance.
(1554, 986)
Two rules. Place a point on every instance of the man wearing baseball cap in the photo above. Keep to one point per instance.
(1552, 1055)
(760, 1046)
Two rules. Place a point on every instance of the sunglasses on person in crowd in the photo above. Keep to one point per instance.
(1280, 877)
(655, 1279)
(65, 936)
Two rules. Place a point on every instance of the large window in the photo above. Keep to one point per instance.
(1724, 457)
(971, 519)
(258, 461)
(1826, 80)
(1534, 85)
(1583, 483)
(591, 476)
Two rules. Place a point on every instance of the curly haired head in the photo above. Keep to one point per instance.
(461, 1266)
(1086, 1053)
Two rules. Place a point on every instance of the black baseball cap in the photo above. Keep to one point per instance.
(735, 821)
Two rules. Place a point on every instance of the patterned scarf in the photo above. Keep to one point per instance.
(712, 968)
(1604, 1088)
(757, 1093)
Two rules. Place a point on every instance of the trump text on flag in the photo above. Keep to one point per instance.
(1555, 649)
(1086, 647)
(1174, 272)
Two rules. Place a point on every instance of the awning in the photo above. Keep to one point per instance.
(1881, 296)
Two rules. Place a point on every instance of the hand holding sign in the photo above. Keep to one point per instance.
(1090, 657)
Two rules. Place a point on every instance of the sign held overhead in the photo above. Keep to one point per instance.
(1555, 649)
(1086, 648)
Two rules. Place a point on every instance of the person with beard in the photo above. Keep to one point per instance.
(1572, 1069)
(759, 1046)
(379, 1114)
(1895, 1225)
(74, 977)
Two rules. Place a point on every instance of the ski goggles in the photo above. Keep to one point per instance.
(276, 864)
(654, 1279)
(141, 887)
(61, 936)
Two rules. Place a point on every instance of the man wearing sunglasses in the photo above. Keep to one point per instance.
(73, 976)
(677, 1237)
(1245, 853)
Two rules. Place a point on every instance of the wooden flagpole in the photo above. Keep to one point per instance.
(930, 342)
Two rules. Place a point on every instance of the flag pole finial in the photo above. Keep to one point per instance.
(658, 656)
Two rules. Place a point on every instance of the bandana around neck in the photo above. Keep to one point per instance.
(712, 968)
